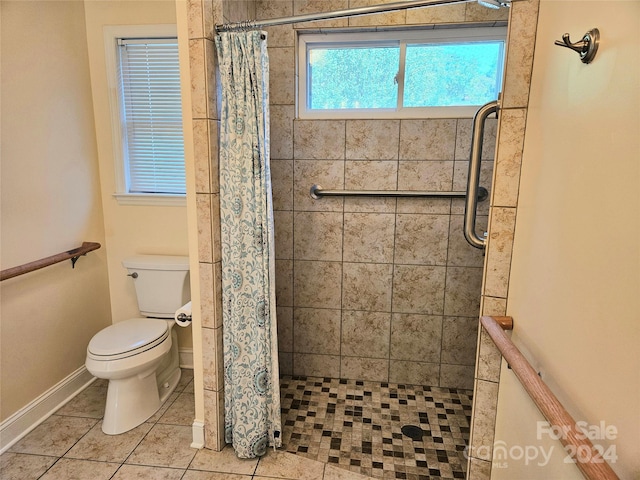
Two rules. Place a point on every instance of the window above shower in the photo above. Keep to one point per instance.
(410, 73)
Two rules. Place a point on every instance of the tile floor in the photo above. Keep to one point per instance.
(357, 425)
(70, 444)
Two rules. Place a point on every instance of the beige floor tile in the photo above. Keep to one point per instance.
(88, 403)
(331, 472)
(71, 469)
(54, 436)
(280, 464)
(199, 475)
(165, 446)
(225, 461)
(139, 472)
(18, 466)
(100, 447)
(180, 412)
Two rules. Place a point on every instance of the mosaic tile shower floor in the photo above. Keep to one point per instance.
(356, 425)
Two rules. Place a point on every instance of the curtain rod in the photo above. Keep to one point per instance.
(350, 12)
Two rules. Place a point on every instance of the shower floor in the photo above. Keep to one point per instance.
(356, 425)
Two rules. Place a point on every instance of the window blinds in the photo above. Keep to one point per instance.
(152, 116)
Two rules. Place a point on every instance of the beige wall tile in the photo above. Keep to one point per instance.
(484, 414)
(462, 295)
(214, 164)
(195, 20)
(365, 334)
(368, 237)
(416, 337)
(390, 18)
(283, 221)
(500, 244)
(494, 306)
(281, 123)
(477, 13)
(366, 286)
(372, 139)
(318, 236)
(459, 339)
(519, 61)
(212, 358)
(278, 36)
(319, 139)
(210, 61)
(282, 184)
(316, 365)
(509, 160)
(479, 469)
(421, 239)
(460, 175)
(198, 81)
(284, 283)
(285, 329)
(217, 289)
(460, 253)
(317, 284)
(207, 306)
(440, 14)
(489, 359)
(285, 361)
(214, 419)
(205, 245)
(418, 289)
(370, 175)
(435, 175)
(281, 75)
(463, 139)
(433, 139)
(316, 330)
(368, 369)
(456, 376)
(211, 15)
(424, 205)
(327, 173)
(416, 373)
(301, 7)
(215, 227)
(201, 155)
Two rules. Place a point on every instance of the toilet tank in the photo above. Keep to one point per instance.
(161, 282)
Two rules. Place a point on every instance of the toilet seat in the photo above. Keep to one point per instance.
(128, 338)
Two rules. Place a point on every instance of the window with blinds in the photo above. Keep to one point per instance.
(151, 116)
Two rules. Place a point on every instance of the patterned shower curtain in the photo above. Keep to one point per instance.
(251, 388)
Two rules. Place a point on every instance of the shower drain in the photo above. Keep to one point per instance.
(412, 431)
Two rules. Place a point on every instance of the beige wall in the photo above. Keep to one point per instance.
(130, 229)
(575, 275)
(50, 199)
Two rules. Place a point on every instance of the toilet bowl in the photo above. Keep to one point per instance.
(139, 356)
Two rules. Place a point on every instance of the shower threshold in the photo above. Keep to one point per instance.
(358, 425)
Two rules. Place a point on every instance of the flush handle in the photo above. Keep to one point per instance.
(133, 275)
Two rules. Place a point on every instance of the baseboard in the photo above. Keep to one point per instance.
(37, 411)
(197, 430)
(186, 357)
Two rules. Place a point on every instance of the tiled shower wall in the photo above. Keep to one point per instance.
(373, 289)
(378, 289)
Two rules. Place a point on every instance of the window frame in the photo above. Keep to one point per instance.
(399, 36)
(112, 35)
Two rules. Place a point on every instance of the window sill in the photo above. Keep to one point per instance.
(156, 200)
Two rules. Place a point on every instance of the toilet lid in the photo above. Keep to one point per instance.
(127, 336)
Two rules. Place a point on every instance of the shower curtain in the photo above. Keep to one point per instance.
(251, 387)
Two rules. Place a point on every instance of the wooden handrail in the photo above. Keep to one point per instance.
(589, 460)
(72, 254)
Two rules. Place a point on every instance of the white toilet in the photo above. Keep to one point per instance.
(139, 356)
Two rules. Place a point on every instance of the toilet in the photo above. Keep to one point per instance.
(139, 356)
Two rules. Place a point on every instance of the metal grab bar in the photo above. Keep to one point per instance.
(318, 192)
(72, 255)
(473, 178)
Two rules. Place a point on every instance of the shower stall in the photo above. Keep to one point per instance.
(377, 298)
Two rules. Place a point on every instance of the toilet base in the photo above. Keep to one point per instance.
(130, 401)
